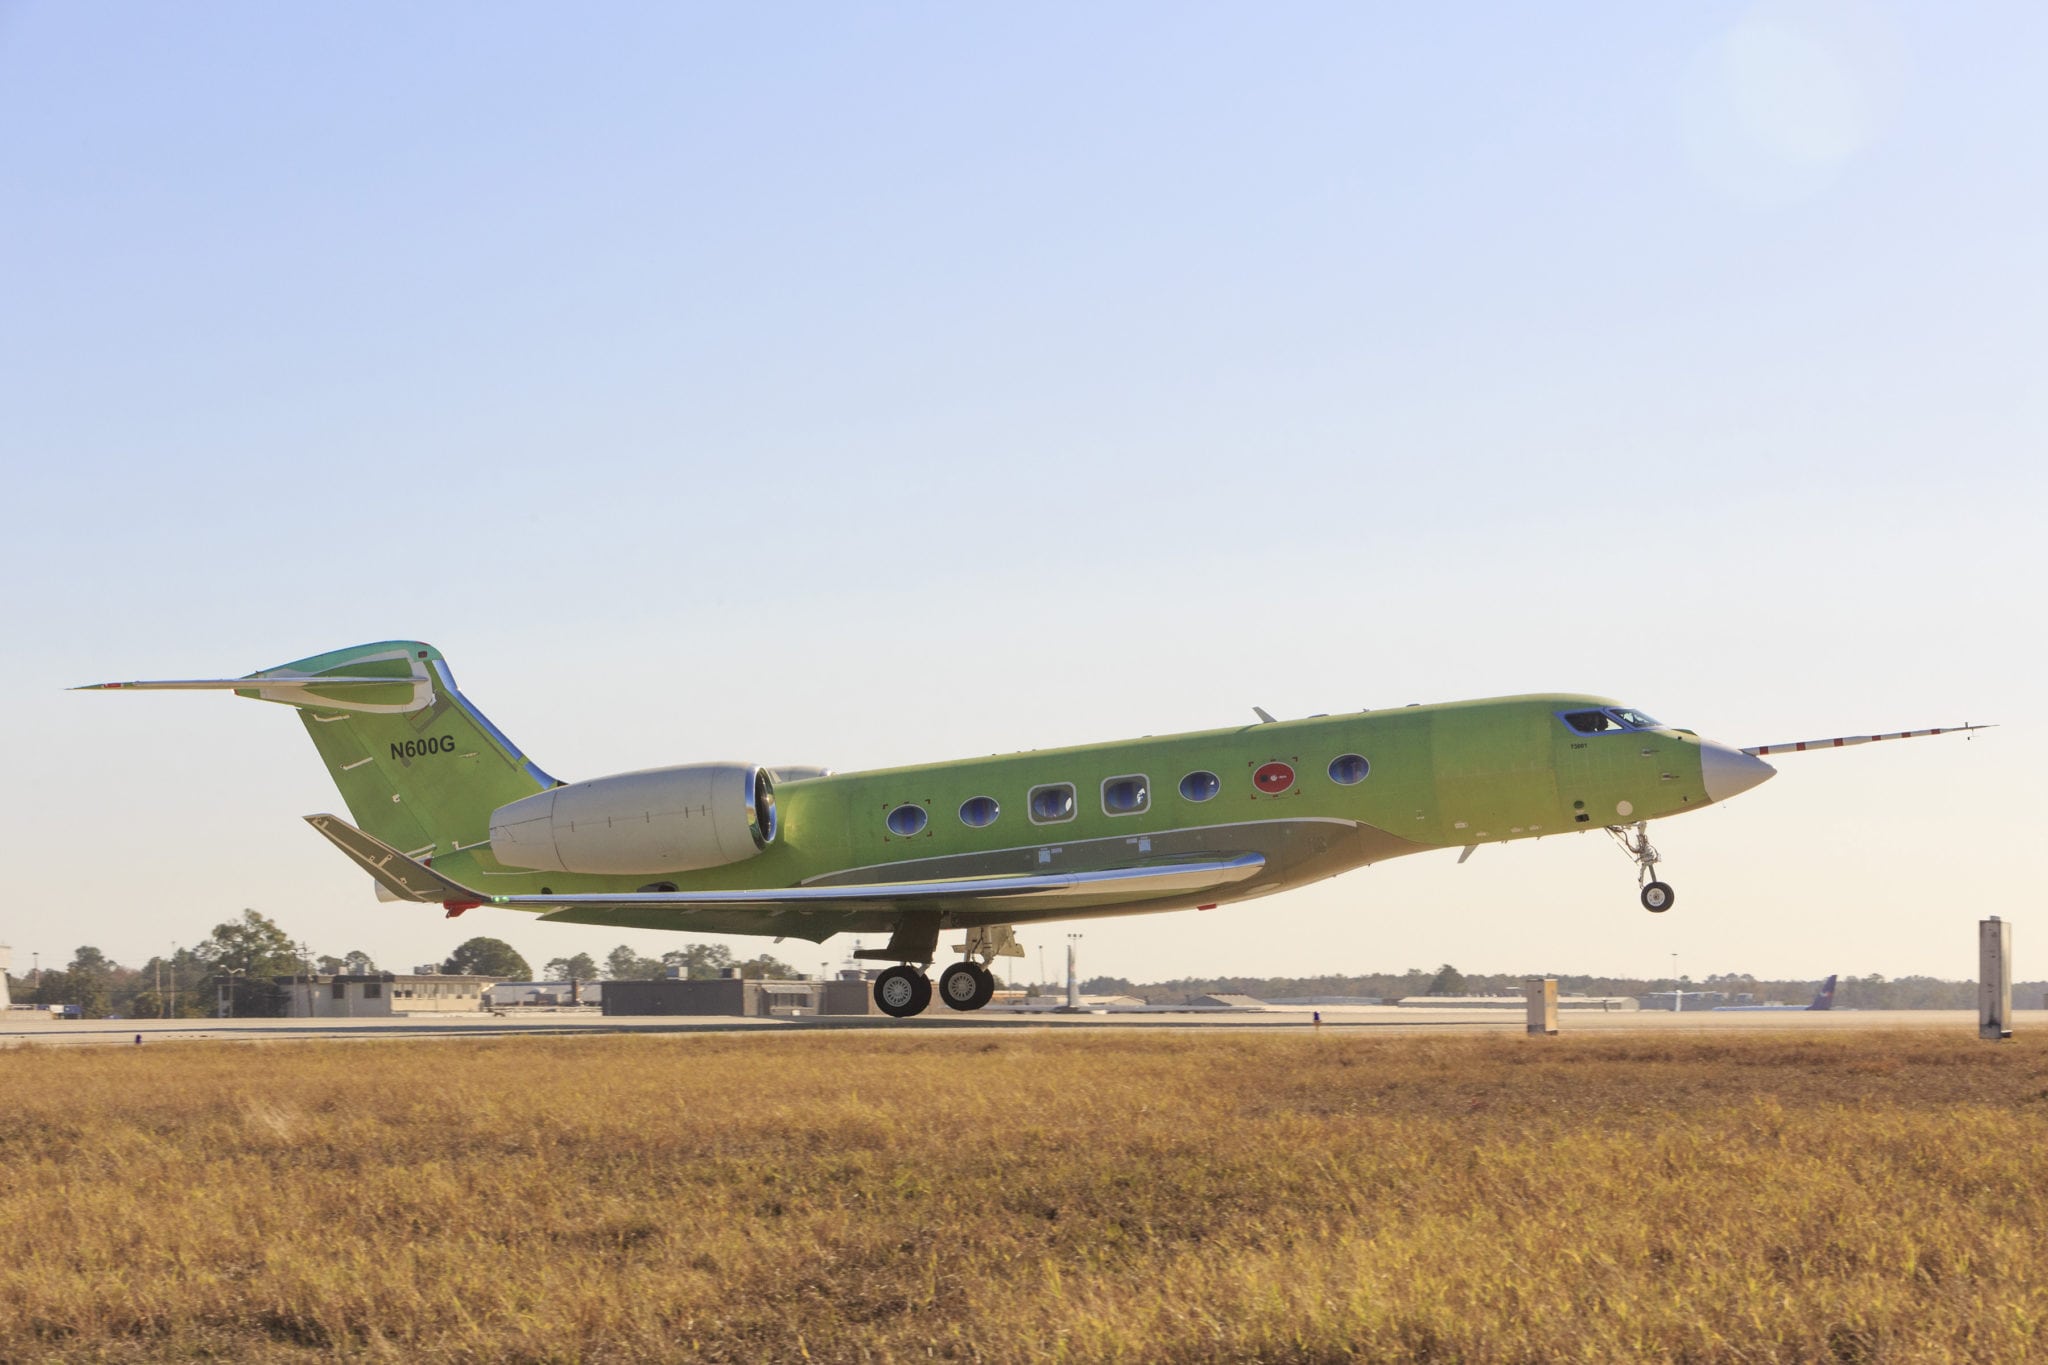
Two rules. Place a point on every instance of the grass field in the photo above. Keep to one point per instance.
(1293, 1197)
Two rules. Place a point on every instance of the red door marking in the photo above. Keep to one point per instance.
(1273, 778)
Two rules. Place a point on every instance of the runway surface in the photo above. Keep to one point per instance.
(1388, 1019)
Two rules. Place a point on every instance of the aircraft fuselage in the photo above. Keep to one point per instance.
(1315, 797)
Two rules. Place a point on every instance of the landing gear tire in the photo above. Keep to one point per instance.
(903, 991)
(967, 985)
(1658, 897)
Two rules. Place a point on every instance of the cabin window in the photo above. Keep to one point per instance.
(1348, 770)
(1200, 785)
(1126, 795)
(907, 820)
(979, 812)
(1052, 803)
(1590, 722)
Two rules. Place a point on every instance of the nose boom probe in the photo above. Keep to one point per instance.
(1844, 741)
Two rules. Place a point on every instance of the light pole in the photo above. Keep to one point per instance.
(224, 1007)
(1073, 974)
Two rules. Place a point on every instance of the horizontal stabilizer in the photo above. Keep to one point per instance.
(1846, 740)
(249, 684)
(401, 876)
(389, 678)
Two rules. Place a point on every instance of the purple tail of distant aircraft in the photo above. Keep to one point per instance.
(1823, 999)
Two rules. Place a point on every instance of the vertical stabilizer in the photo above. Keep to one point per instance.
(1824, 998)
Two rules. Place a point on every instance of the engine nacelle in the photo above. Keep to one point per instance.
(658, 820)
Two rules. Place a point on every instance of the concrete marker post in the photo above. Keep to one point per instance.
(1994, 979)
(1541, 994)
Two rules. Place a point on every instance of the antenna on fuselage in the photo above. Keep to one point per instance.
(1261, 713)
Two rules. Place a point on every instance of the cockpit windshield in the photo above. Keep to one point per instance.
(1614, 718)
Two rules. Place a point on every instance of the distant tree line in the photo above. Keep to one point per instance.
(1874, 992)
(234, 968)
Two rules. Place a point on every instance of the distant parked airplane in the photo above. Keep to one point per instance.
(1823, 999)
(448, 810)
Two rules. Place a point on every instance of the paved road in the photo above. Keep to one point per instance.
(110, 1032)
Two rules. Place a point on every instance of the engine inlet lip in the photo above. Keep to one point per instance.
(762, 819)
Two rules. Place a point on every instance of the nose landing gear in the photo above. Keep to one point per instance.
(1657, 897)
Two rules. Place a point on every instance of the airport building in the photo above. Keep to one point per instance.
(378, 995)
(731, 994)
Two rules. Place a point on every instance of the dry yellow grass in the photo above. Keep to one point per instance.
(1868, 1197)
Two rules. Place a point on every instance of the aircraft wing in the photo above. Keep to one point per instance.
(1040, 892)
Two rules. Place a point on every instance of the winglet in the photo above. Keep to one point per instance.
(396, 873)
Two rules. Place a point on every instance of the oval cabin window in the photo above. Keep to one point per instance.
(1348, 770)
(907, 820)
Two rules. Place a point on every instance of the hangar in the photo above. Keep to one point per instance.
(732, 994)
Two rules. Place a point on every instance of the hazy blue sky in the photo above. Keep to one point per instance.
(874, 384)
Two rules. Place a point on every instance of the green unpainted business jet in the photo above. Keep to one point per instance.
(448, 811)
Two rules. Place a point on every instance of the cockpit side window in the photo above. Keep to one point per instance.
(1634, 719)
(1590, 722)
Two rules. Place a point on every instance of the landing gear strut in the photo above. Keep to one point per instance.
(1657, 897)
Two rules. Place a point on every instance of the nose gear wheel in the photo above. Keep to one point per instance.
(1657, 897)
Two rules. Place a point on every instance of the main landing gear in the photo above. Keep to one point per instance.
(1657, 897)
(904, 990)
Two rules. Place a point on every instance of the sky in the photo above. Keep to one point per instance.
(876, 384)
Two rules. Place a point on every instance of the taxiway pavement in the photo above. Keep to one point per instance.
(539, 1024)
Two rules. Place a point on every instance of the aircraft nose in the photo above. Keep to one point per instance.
(1730, 772)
